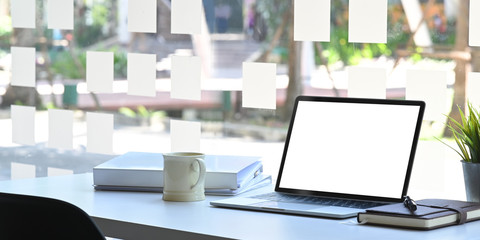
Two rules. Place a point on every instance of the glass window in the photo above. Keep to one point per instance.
(421, 37)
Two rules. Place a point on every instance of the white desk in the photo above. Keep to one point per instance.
(132, 215)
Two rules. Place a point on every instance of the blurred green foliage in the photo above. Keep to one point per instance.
(142, 112)
(119, 63)
(338, 48)
(127, 112)
(90, 26)
(64, 65)
(447, 37)
(5, 31)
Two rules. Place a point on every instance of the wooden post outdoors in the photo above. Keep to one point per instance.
(462, 65)
(295, 82)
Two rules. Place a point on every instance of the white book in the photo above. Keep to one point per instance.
(259, 181)
(145, 170)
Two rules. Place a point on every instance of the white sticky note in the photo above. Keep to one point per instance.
(186, 75)
(365, 82)
(99, 133)
(474, 24)
(185, 136)
(22, 171)
(60, 128)
(431, 87)
(141, 74)
(473, 89)
(100, 72)
(186, 16)
(23, 66)
(259, 85)
(311, 20)
(23, 13)
(51, 171)
(142, 16)
(23, 124)
(367, 21)
(60, 14)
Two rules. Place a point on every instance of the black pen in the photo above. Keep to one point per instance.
(410, 204)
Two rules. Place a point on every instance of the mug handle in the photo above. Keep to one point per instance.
(203, 170)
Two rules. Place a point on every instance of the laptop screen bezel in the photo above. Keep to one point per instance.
(421, 106)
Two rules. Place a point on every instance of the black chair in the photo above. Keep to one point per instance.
(30, 217)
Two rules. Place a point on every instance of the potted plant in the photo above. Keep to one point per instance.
(467, 136)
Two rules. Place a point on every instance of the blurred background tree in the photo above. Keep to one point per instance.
(61, 54)
(449, 38)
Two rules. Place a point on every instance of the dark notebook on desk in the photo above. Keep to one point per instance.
(430, 214)
(341, 156)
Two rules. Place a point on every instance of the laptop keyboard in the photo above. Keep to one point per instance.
(278, 197)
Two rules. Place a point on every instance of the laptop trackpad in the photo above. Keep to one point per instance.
(337, 210)
(287, 206)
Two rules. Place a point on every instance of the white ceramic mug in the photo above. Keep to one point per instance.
(183, 176)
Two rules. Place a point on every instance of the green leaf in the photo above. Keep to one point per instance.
(466, 134)
(143, 112)
(461, 145)
(127, 112)
(449, 146)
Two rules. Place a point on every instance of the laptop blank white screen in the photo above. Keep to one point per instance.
(350, 148)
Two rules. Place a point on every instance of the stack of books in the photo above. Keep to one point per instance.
(140, 171)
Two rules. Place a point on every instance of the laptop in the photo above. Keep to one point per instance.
(341, 156)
